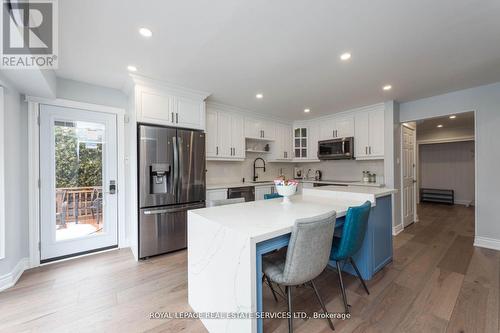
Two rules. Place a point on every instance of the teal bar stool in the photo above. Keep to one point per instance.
(344, 248)
(272, 196)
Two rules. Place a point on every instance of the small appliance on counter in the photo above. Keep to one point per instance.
(318, 175)
(298, 173)
(369, 177)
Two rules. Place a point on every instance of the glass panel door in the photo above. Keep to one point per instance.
(78, 181)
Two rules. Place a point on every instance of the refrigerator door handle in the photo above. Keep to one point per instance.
(176, 166)
(180, 156)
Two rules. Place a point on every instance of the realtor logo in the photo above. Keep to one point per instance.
(29, 34)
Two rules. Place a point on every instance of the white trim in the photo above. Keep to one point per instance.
(33, 189)
(75, 104)
(489, 243)
(33, 151)
(2, 174)
(10, 279)
(446, 140)
(464, 202)
(401, 165)
(397, 229)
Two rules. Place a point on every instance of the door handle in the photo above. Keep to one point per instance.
(172, 117)
(366, 150)
(370, 150)
(177, 118)
(217, 150)
(112, 187)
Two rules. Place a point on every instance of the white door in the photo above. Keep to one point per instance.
(78, 172)
(237, 136)
(361, 139)
(224, 134)
(344, 127)
(408, 171)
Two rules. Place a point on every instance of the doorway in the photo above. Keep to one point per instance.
(78, 173)
(444, 159)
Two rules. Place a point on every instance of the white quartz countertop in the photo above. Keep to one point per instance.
(265, 219)
(270, 182)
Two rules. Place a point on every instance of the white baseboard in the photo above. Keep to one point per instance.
(464, 202)
(397, 229)
(489, 243)
(10, 279)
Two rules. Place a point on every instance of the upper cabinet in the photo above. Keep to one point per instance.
(369, 134)
(305, 141)
(282, 147)
(224, 137)
(256, 128)
(337, 127)
(161, 104)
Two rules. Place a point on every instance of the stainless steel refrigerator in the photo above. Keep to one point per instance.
(171, 181)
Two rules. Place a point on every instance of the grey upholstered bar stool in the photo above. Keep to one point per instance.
(223, 202)
(306, 257)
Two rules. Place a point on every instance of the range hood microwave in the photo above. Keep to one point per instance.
(336, 149)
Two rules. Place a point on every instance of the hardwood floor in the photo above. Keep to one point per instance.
(438, 282)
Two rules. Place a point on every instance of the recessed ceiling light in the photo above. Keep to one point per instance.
(439, 126)
(345, 56)
(387, 87)
(307, 110)
(259, 96)
(145, 32)
(132, 68)
(453, 117)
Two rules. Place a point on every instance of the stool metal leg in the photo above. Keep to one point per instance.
(290, 319)
(344, 296)
(322, 306)
(359, 275)
(271, 286)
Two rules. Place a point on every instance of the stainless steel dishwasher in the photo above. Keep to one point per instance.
(247, 192)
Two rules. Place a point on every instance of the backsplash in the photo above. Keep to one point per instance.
(221, 172)
(344, 169)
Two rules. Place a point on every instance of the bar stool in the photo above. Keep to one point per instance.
(353, 234)
(306, 257)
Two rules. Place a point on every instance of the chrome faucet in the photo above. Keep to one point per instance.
(256, 167)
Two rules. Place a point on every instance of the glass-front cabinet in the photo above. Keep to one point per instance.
(300, 142)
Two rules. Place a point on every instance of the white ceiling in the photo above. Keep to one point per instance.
(462, 121)
(287, 49)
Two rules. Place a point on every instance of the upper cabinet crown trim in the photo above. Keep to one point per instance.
(245, 112)
(139, 80)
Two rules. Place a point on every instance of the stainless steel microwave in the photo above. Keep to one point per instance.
(336, 149)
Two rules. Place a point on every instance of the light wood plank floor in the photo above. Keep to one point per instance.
(438, 282)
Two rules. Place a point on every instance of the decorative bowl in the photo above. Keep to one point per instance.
(286, 191)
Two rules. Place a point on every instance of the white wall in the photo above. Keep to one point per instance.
(485, 100)
(16, 180)
(449, 166)
(89, 93)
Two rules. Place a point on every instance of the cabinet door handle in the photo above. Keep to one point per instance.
(333, 133)
(366, 150)
(370, 150)
(172, 117)
(177, 118)
(231, 151)
(217, 150)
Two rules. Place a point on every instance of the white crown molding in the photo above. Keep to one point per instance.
(489, 243)
(245, 112)
(140, 80)
(10, 279)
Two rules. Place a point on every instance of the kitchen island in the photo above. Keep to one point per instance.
(226, 245)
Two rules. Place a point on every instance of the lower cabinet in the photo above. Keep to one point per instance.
(218, 194)
(260, 191)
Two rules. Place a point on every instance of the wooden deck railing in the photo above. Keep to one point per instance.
(79, 204)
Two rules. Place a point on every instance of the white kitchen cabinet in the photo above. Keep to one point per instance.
(336, 127)
(260, 191)
(313, 140)
(189, 113)
(218, 194)
(369, 134)
(225, 138)
(282, 147)
(211, 139)
(160, 105)
(256, 128)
